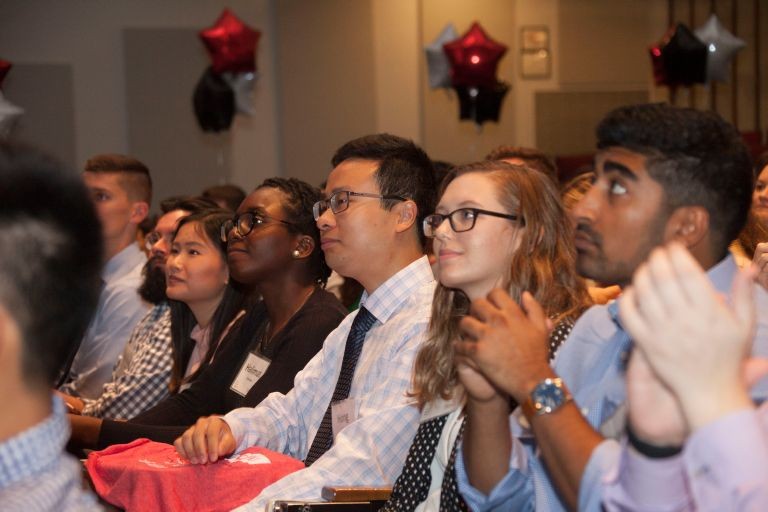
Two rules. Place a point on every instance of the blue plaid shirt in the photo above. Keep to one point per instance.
(140, 377)
(372, 449)
(36, 475)
(592, 362)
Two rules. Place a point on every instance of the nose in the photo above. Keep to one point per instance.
(160, 248)
(326, 220)
(443, 230)
(588, 206)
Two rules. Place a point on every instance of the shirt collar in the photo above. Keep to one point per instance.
(30, 452)
(388, 297)
(122, 262)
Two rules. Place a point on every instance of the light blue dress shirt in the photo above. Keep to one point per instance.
(591, 362)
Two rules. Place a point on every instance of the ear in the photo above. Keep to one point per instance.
(407, 215)
(688, 225)
(139, 212)
(10, 342)
(305, 245)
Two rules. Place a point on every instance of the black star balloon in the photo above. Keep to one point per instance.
(481, 104)
(679, 58)
(721, 47)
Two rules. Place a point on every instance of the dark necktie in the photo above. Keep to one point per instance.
(412, 486)
(450, 499)
(324, 437)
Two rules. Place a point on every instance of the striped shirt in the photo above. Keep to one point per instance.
(371, 450)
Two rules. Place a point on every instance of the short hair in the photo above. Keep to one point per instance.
(697, 158)
(50, 259)
(298, 211)
(135, 177)
(230, 195)
(191, 204)
(404, 170)
(532, 157)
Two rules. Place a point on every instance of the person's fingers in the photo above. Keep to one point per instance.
(465, 349)
(185, 446)
(693, 281)
(471, 328)
(661, 289)
(504, 303)
(199, 440)
(534, 311)
(481, 309)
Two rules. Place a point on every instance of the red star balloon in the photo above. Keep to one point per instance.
(231, 44)
(5, 67)
(474, 58)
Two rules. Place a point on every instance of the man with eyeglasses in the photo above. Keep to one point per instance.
(140, 376)
(348, 416)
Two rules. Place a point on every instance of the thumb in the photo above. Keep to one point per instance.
(742, 297)
(755, 368)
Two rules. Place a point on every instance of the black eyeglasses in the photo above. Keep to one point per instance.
(461, 220)
(339, 201)
(244, 223)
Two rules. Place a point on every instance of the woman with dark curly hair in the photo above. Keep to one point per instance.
(273, 248)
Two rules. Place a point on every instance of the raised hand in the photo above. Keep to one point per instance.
(506, 342)
(695, 343)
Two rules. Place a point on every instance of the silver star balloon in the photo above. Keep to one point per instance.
(242, 85)
(438, 67)
(721, 47)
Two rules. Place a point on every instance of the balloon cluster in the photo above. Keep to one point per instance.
(9, 113)
(683, 57)
(468, 64)
(227, 84)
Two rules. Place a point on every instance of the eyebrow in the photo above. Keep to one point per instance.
(613, 166)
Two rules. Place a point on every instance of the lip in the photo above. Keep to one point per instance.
(584, 241)
(171, 280)
(327, 242)
(446, 254)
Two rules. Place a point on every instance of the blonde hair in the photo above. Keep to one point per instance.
(544, 264)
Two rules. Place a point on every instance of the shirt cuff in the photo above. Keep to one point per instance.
(635, 482)
(730, 452)
(513, 484)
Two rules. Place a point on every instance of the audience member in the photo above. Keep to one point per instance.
(273, 249)
(142, 372)
(697, 441)
(517, 211)
(50, 256)
(662, 174)
(228, 196)
(530, 157)
(349, 419)
(204, 304)
(121, 190)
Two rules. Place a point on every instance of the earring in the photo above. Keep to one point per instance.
(296, 253)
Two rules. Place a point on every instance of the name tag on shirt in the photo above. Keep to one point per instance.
(342, 414)
(254, 367)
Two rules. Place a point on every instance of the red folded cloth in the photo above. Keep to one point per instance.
(149, 476)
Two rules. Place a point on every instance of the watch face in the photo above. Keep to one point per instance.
(548, 396)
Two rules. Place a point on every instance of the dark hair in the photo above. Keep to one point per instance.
(532, 157)
(191, 204)
(760, 162)
(135, 176)
(230, 195)
(696, 157)
(183, 321)
(404, 170)
(50, 259)
(298, 211)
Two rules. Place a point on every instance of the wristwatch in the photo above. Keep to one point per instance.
(548, 396)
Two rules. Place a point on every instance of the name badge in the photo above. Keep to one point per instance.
(342, 414)
(252, 370)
